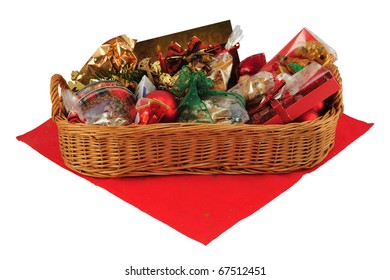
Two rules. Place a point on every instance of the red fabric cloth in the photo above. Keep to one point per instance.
(199, 206)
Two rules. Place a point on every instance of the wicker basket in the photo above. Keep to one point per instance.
(183, 148)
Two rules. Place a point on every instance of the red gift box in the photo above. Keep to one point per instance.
(304, 39)
(284, 106)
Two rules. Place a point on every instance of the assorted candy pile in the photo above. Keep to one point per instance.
(204, 83)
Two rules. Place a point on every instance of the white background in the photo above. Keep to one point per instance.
(333, 224)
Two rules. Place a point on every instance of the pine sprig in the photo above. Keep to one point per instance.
(130, 78)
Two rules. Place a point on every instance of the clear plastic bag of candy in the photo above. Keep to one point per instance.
(254, 88)
(226, 109)
(222, 64)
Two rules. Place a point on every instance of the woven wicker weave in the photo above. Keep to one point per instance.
(183, 148)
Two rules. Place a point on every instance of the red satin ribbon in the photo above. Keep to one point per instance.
(177, 56)
(286, 118)
(278, 85)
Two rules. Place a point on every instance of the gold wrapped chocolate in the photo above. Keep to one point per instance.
(254, 88)
(155, 67)
(161, 80)
(114, 58)
(166, 81)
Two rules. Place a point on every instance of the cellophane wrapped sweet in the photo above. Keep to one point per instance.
(222, 64)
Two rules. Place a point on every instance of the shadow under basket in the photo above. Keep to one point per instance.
(193, 148)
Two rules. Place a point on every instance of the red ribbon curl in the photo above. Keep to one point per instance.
(177, 56)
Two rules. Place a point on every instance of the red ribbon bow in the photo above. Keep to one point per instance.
(177, 56)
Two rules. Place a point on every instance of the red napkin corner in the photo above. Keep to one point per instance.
(201, 207)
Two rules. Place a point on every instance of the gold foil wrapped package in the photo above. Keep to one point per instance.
(113, 58)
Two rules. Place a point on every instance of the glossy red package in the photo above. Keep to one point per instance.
(295, 96)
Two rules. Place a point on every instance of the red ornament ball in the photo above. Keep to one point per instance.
(252, 64)
(168, 98)
(319, 107)
(308, 116)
